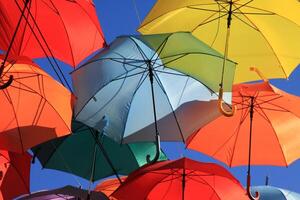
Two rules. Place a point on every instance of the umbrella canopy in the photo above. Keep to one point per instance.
(275, 126)
(264, 130)
(35, 107)
(14, 174)
(141, 75)
(181, 179)
(262, 33)
(67, 192)
(271, 193)
(80, 154)
(75, 22)
(109, 186)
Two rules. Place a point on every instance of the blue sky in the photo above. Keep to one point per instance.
(118, 17)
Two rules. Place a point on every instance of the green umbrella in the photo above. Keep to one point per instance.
(81, 154)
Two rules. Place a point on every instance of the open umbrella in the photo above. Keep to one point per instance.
(14, 174)
(259, 33)
(272, 193)
(92, 156)
(108, 186)
(264, 130)
(34, 108)
(37, 25)
(139, 80)
(67, 192)
(181, 179)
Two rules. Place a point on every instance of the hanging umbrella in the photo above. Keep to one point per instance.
(14, 174)
(109, 186)
(35, 107)
(139, 80)
(75, 22)
(271, 193)
(264, 130)
(259, 33)
(181, 179)
(67, 192)
(89, 155)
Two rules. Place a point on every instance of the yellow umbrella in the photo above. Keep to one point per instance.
(263, 34)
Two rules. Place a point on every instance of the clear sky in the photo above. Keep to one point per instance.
(119, 17)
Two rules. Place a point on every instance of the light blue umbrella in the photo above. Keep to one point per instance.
(274, 193)
(142, 100)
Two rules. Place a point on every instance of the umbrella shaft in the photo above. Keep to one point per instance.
(229, 18)
(250, 141)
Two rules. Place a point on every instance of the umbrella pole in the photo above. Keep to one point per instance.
(92, 173)
(157, 137)
(183, 183)
(106, 156)
(220, 101)
(249, 155)
(5, 85)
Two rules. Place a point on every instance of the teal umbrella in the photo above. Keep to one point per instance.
(90, 155)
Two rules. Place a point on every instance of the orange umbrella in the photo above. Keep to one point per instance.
(109, 186)
(34, 108)
(264, 130)
(14, 174)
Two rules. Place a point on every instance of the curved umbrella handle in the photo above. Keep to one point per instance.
(8, 83)
(257, 196)
(220, 105)
(157, 154)
(259, 73)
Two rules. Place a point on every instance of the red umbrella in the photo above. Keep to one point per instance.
(69, 28)
(14, 174)
(181, 179)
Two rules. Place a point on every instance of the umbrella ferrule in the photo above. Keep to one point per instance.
(252, 108)
(229, 18)
(151, 74)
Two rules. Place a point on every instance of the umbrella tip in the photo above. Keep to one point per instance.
(267, 181)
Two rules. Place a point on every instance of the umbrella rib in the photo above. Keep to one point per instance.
(92, 96)
(192, 53)
(141, 81)
(38, 94)
(284, 158)
(142, 53)
(168, 100)
(66, 31)
(271, 47)
(271, 13)
(204, 9)
(267, 12)
(182, 92)
(101, 108)
(206, 183)
(160, 48)
(65, 162)
(47, 46)
(218, 27)
(16, 118)
(16, 169)
(96, 25)
(246, 23)
(38, 112)
(209, 20)
(243, 118)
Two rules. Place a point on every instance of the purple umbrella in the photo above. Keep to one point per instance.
(67, 192)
